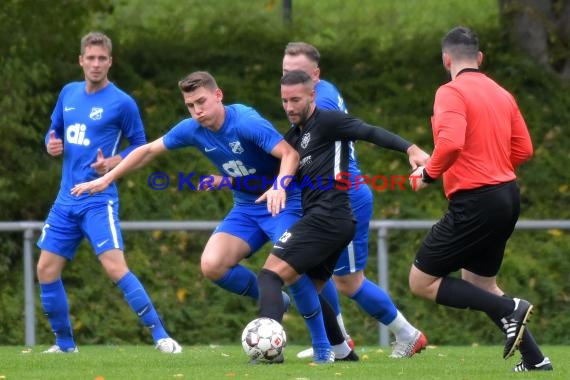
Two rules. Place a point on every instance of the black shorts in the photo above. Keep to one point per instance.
(314, 244)
(473, 232)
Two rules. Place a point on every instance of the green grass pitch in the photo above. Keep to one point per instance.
(229, 362)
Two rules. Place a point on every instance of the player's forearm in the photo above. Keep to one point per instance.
(135, 160)
(444, 155)
(288, 168)
(114, 161)
(383, 138)
(521, 143)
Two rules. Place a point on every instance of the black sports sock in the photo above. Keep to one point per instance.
(270, 297)
(460, 294)
(528, 348)
(331, 324)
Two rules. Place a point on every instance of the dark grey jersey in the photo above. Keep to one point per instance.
(323, 146)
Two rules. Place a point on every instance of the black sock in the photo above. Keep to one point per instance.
(270, 297)
(460, 294)
(331, 324)
(529, 349)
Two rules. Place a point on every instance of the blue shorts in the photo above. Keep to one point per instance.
(354, 257)
(255, 225)
(66, 226)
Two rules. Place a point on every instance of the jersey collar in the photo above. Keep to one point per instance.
(468, 70)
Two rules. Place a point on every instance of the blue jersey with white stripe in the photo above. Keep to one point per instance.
(241, 147)
(89, 122)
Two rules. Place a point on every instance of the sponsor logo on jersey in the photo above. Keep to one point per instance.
(75, 134)
(236, 168)
(96, 113)
(305, 161)
(236, 147)
(305, 140)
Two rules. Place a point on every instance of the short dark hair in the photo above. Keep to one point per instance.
(98, 39)
(461, 42)
(303, 48)
(196, 80)
(296, 77)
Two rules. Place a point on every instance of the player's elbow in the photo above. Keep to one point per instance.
(296, 157)
(529, 153)
(519, 158)
(292, 156)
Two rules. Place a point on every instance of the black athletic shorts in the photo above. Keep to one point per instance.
(473, 232)
(314, 243)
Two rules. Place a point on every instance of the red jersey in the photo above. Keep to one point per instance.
(479, 134)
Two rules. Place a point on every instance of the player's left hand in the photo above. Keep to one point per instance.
(275, 200)
(92, 187)
(101, 164)
(417, 157)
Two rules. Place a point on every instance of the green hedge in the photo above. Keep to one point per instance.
(390, 85)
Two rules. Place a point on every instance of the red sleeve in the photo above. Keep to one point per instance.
(521, 144)
(449, 123)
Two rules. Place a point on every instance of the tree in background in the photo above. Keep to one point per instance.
(541, 28)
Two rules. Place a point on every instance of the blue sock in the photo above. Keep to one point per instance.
(140, 302)
(56, 308)
(240, 280)
(307, 300)
(331, 295)
(376, 302)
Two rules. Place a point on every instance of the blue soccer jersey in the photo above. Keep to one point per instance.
(241, 147)
(89, 122)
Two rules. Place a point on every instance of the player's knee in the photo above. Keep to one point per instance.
(417, 288)
(346, 290)
(116, 272)
(211, 270)
(48, 271)
(414, 288)
(348, 285)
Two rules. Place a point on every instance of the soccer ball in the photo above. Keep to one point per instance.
(263, 339)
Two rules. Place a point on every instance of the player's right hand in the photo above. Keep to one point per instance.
(54, 146)
(91, 187)
(275, 198)
(211, 182)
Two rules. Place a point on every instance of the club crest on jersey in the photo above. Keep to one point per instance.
(236, 147)
(96, 113)
(305, 140)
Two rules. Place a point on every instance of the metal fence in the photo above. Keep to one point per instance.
(382, 228)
